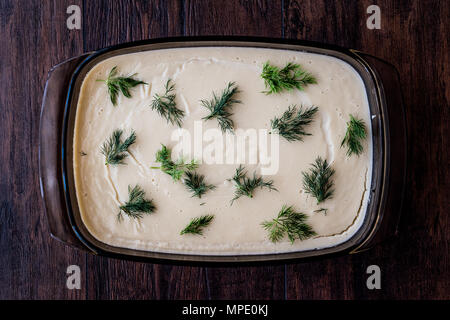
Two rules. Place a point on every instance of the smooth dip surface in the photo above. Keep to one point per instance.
(236, 229)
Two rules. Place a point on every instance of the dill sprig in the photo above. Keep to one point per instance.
(290, 223)
(318, 182)
(119, 84)
(290, 77)
(196, 184)
(175, 169)
(245, 186)
(114, 149)
(196, 225)
(166, 107)
(137, 205)
(219, 107)
(291, 124)
(356, 132)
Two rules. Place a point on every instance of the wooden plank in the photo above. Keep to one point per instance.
(48, 276)
(238, 18)
(32, 264)
(250, 18)
(413, 37)
(107, 23)
(255, 282)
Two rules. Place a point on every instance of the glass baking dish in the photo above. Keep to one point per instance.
(388, 137)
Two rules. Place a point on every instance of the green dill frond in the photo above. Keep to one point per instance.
(290, 223)
(246, 186)
(291, 125)
(196, 225)
(195, 183)
(290, 77)
(137, 205)
(175, 169)
(166, 107)
(356, 133)
(318, 181)
(119, 84)
(114, 150)
(219, 107)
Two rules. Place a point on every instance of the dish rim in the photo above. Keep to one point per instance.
(380, 155)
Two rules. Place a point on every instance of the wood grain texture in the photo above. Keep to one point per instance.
(31, 265)
(109, 23)
(257, 18)
(413, 37)
(238, 18)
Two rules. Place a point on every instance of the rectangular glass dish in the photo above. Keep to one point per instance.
(58, 175)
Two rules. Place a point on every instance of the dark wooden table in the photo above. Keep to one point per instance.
(414, 36)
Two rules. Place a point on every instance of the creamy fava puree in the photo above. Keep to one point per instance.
(236, 228)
